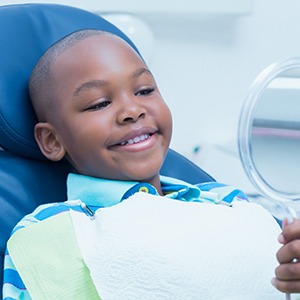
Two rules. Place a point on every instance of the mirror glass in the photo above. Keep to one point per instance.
(269, 133)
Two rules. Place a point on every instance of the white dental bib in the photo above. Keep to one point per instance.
(152, 247)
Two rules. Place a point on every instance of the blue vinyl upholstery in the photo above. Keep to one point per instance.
(27, 179)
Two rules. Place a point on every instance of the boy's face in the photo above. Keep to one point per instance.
(110, 119)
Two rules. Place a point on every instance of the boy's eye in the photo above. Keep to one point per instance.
(99, 105)
(145, 91)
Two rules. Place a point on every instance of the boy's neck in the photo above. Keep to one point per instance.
(155, 181)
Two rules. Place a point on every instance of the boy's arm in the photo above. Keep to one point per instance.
(13, 286)
(288, 272)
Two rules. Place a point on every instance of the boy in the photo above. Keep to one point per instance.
(99, 107)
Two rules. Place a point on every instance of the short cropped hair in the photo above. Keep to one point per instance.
(40, 79)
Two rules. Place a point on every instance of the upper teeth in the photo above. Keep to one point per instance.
(136, 139)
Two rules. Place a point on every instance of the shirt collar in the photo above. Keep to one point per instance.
(104, 192)
(96, 191)
(99, 192)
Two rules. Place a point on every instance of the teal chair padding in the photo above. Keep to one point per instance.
(27, 179)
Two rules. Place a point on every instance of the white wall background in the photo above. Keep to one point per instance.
(204, 66)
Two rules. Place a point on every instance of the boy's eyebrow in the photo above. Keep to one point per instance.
(141, 71)
(100, 83)
(88, 85)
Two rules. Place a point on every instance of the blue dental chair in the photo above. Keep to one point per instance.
(27, 179)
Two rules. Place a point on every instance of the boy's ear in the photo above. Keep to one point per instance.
(48, 142)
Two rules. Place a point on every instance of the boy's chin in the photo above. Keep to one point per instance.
(144, 177)
(145, 174)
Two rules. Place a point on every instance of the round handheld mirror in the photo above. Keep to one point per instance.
(269, 137)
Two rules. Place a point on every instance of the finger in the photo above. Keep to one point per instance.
(291, 231)
(281, 239)
(289, 252)
(287, 286)
(290, 271)
(285, 222)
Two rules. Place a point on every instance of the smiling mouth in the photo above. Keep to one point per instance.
(136, 140)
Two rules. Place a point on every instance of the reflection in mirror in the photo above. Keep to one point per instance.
(269, 137)
(276, 134)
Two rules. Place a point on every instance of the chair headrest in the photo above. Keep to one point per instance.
(26, 32)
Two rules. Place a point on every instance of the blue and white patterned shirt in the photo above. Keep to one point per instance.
(90, 194)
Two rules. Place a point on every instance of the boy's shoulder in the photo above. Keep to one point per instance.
(44, 212)
(47, 236)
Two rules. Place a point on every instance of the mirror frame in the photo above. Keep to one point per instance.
(245, 127)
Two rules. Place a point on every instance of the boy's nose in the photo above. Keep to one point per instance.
(131, 111)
